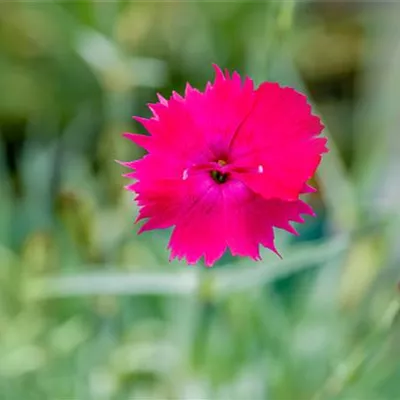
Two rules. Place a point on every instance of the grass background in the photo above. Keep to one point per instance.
(90, 311)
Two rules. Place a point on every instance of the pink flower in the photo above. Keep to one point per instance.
(225, 166)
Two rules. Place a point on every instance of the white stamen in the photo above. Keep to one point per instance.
(260, 169)
(185, 174)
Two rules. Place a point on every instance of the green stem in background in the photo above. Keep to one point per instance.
(283, 24)
(286, 16)
(206, 311)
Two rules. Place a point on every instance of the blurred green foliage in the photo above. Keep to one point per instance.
(89, 310)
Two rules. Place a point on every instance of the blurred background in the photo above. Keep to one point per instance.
(91, 311)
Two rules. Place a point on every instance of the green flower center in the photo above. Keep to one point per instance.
(219, 177)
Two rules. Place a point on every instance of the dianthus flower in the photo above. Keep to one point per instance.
(225, 166)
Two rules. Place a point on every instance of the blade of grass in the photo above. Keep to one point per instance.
(188, 282)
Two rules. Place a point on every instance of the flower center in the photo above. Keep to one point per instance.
(219, 177)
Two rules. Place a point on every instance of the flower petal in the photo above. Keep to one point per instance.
(219, 111)
(251, 219)
(247, 225)
(280, 134)
(140, 140)
(201, 231)
(174, 131)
